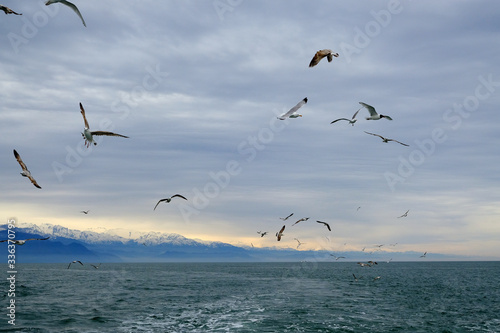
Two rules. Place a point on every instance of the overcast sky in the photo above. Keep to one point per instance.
(197, 86)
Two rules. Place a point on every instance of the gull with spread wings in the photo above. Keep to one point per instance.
(291, 113)
(385, 140)
(351, 121)
(22, 241)
(320, 55)
(88, 135)
(373, 114)
(326, 225)
(167, 200)
(70, 5)
(279, 234)
(26, 172)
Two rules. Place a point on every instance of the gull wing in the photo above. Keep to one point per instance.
(294, 109)
(33, 181)
(20, 161)
(340, 119)
(286, 218)
(7, 10)
(159, 202)
(70, 5)
(404, 144)
(100, 133)
(178, 195)
(370, 109)
(380, 136)
(356, 113)
(82, 111)
(36, 239)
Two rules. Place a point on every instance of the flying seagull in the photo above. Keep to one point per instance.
(7, 10)
(301, 220)
(320, 55)
(404, 215)
(373, 114)
(385, 140)
(355, 278)
(26, 172)
(291, 113)
(167, 200)
(337, 258)
(85, 211)
(74, 262)
(22, 241)
(286, 218)
(351, 121)
(96, 267)
(70, 5)
(424, 255)
(299, 242)
(262, 233)
(326, 225)
(279, 234)
(88, 135)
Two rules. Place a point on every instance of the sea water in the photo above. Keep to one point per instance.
(255, 297)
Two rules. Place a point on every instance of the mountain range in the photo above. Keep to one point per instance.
(117, 245)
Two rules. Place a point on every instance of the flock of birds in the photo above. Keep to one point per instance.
(88, 137)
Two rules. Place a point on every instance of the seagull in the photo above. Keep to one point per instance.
(358, 208)
(351, 121)
(85, 211)
(424, 255)
(286, 218)
(22, 241)
(26, 172)
(372, 262)
(291, 113)
(404, 215)
(96, 267)
(385, 140)
(326, 225)
(393, 244)
(379, 246)
(279, 234)
(74, 262)
(320, 55)
(300, 243)
(167, 200)
(355, 278)
(336, 258)
(70, 5)
(88, 135)
(7, 10)
(301, 220)
(373, 114)
(362, 264)
(262, 234)
(376, 278)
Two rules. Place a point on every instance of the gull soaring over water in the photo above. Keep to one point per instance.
(167, 200)
(74, 262)
(299, 242)
(291, 113)
(373, 114)
(385, 140)
(22, 241)
(26, 172)
(88, 135)
(70, 5)
(320, 55)
(96, 267)
(351, 121)
(7, 10)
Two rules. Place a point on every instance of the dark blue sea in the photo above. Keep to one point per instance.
(255, 297)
